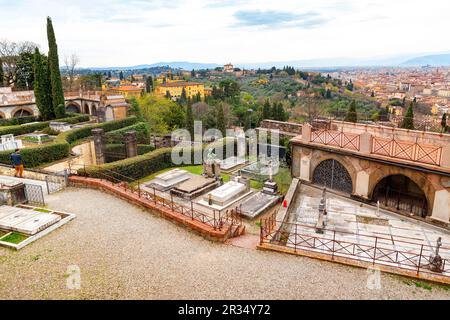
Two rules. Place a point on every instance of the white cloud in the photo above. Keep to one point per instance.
(119, 32)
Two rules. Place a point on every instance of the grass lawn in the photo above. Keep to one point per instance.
(14, 237)
(283, 178)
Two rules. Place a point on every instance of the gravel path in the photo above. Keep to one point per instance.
(126, 253)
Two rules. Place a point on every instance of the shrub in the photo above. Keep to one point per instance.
(143, 165)
(142, 133)
(60, 148)
(32, 127)
(18, 121)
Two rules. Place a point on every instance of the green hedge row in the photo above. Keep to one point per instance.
(143, 165)
(120, 147)
(18, 121)
(31, 127)
(142, 133)
(60, 148)
(81, 133)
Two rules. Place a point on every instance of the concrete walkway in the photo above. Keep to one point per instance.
(123, 252)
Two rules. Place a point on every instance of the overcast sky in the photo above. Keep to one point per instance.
(125, 33)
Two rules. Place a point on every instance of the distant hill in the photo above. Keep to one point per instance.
(432, 60)
(174, 65)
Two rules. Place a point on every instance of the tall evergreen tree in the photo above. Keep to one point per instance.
(2, 74)
(55, 74)
(444, 122)
(190, 120)
(149, 84)
(408, 120)
(266, 110)
(221, 119)
(121, 75)
(183, 97)
(42, 87)
(351, 114)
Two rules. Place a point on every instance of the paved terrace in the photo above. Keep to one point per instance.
(124, 252)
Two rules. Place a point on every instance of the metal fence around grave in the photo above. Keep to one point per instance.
(56, 181)
(34, 194)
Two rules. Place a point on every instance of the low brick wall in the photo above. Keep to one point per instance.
(204, 230)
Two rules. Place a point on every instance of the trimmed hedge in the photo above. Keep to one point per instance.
(142, 133)
(143, 165)
(81, 133)
(60, 148)
(17, 121)
(32, 127)
(119, 147)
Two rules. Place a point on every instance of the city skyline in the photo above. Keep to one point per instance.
(127, 33)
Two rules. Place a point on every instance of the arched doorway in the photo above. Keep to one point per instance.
(93, 110)
(400, 193)
(86, 109)
(22, 113)
(73, 108)
(333, 175)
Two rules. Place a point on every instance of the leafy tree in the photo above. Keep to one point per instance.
(221, 119)
(55, 74)
(351, 114)
(24, 71)
(350, 85)
(266, 110)
(174, 116)
(135, 109)
(408, 120)
(190, 120)
(42, 87)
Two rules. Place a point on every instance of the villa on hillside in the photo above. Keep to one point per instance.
(175, 89)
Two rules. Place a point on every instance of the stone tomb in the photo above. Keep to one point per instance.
(261, 201)
(169, 179)
(257, 204)
(26, 221)
(230, 163)
(226, 195)
(60, 126)
(194, 187)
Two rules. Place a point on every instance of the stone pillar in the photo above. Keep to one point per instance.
(99, 145)
(362, 185)
(306, 133)
(445, 156)
(305, 164)
(101, 114)
(131, 144)
(365, 143)
(441, 206)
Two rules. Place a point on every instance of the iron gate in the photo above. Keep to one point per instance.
(56, 181)
(34, 194)
(333, 175)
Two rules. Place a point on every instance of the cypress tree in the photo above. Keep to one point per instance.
(444, 122)
(266, 110)
(55, 74)
(221, 120)
(42, 91)
(274, 111)
(190, 120)
(149, 84)
(2, 75)
(351, 114)
(408, 120)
